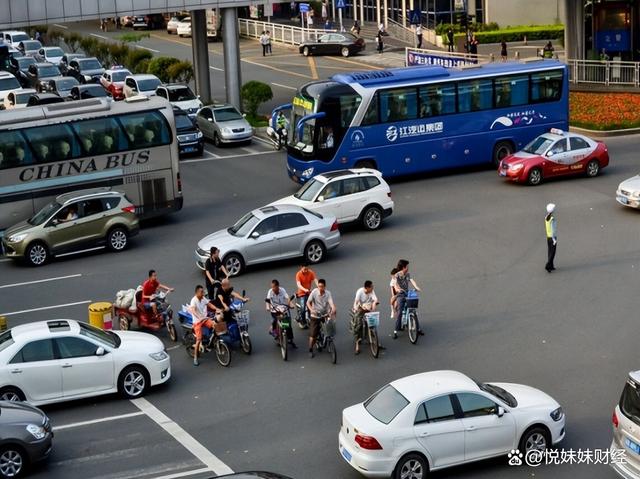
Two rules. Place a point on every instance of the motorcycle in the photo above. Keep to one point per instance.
(277, 141)
(211, 340)
(145, 317)
(238, 332)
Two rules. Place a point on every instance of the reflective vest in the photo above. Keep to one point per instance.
(548, 224)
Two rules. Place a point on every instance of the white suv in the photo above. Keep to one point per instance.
(350, 195)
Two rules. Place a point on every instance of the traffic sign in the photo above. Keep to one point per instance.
(340, 4)
(304, 7)
(416, 16)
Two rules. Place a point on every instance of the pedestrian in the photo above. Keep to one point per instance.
(603, 56)
(292, 5)
(450, 39)
(269, 51)
(355, 29)
(379, 42)
(118, 25)
(547, 51)
(473, 49)
(325, 11)
(264, 41)
(310, 19)
(38, 36)
(503, 50)
(419, 35)
(381, 29)
(551, 227)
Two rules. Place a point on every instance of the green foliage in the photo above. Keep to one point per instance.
(89, 46)
(159, 67)
(133, 37)
(316, 6)
(257, 121)
(517, 34)
(181, 71)
(73, 40)
(140, 67)
(254, 93)
(118, 52)
(54, 36)
(443, 28)
(138, 60)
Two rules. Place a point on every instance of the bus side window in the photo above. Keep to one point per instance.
(371, 115)
(546, 86)
(475, 95)
(146, 129)
(52, 143)
(511, 91)
(14, 151)
(398, 105)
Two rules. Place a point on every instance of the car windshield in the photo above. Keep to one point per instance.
(120, 75)
(6, 340)
(181, 94)
(9, 84)
(244, 225)
(105, 337)
(19, 38)
(309, 190)
(32, 45)
(44, 214)
(386, 404)
(538, 146)
(24, 62)
(227, 114)
(89, 65)
(93, 91)
(498, 392)
(66, 83)
(48, 71)
(22, 98)
(147, 85)
(183, 121)
(630, 402)
(54, 52)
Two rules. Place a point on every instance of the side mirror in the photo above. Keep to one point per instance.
(254, 235)
(320, 199)
(549, 154)
(210, 119)
(500, 411)
(100, 351)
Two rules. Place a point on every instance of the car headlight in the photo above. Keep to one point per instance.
(557, 414)
(199, 135)
(161, 356)
(37, 432)
(17, 238)
(226, 131)
(516, 167)
(308, 172)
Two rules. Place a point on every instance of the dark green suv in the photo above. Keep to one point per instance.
(73, 222)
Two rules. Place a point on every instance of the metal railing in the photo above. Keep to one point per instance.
(604, 72)
(402, 33)
(279, 33)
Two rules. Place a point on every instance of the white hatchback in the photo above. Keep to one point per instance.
(60, 360)
(439, 419)
(359, 194)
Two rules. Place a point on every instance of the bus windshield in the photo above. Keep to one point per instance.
(44, 214)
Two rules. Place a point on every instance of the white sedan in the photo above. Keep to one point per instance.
(628, 193)
(60, 360)
(183, 27)
(439, 419)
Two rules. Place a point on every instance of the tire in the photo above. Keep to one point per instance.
(245, 342)
(374, 346)
(133, 382)
(344, 51)
(371, 218)
(36, 254)
(331, 349)
(366, 164)
(13, 461)
(314, 252)
(284, 345)
(223, 354)
(306, 52)
(534, 178)
(171, 329)
(411, 466)
(11, 394)
(500, 151)
(593, 168)
(190, 342)
(216, 141)
(117, 239)
(412, 327)
(536, 438)
(234, 264)
(124, 323)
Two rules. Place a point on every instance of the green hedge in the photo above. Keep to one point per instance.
(443, 28)
(517, 34)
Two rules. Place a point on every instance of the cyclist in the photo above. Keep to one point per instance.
(403, 281)
(320, 305)
(149, 289)
(305, 278)
(198, 308)
(278, 296)
(364, 302)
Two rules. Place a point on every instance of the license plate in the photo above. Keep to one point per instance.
(623, 200)
(190, 149)
(632, 445)
(346, 454)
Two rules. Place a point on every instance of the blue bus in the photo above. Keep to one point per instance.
(405, 121)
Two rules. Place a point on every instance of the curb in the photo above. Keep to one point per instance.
(604, 133)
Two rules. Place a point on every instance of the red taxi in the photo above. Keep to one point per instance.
(113, 81)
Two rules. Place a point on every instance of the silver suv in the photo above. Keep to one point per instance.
(626, 428)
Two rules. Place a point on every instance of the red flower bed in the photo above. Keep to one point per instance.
(604, 111)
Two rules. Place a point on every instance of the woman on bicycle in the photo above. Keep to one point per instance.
(364, 302)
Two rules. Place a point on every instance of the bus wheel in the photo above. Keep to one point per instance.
(366, 164)
(500, 151)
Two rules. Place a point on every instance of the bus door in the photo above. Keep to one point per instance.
(152, 193)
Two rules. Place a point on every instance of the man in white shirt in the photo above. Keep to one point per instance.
(278, 296)
(198, 308)
(364, 302)
(320, 305)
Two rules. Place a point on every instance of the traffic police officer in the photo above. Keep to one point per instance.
(552, 236)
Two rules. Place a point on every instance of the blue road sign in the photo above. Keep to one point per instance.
(416, 16)
(340, 4)
(304, 7)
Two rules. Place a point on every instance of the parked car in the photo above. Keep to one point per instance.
(554, 154)
(139, 22)
(140, 85)
(626, 428)
(345, 44)
(7, 83)
(223, 124)
(152, 21)
(183, 27)
(272, 233)
(12, 38)
(181, 96)
(19, 66)
(50, 54)
(85, 70)
(29, 47)
(62, 360)
(38, 72)
(172, 24)
(66, 59)
(439, 419)
(26, 437)
(628, 192)
(359, 195)
(39, 99)
(61, 86)
(17, 98)
(82, 92)
(72, 222)
(112, 80)
(190, 138)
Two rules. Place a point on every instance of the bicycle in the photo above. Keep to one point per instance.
(325, 338)
(303, 322)
(283, 323)
(211, 340)
(410, 315)
(371, 322)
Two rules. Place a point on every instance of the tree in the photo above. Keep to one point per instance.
(159, 67)
(138, 60)
(254, 93)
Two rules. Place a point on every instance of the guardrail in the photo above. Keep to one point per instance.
(604, 72)
(401, 32)
(279, 33)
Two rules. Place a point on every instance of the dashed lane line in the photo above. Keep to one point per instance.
(286, 72)
(216, 69)
(57, 278)
(97, 421)
(100, 36)
(284, 86)
(201, 160)
(148, 49)
(66, 305)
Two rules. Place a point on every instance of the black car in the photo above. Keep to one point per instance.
(61, 86)
(82, 92)
(344, 44)
(41, 71)
(19, 67)
(66, 59)
(190, 138)
(38, 99)
(85, 70)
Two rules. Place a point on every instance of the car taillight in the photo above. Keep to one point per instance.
(614, 419)
(334, 226)
(129, 209)
(368, 442)
(179, 183)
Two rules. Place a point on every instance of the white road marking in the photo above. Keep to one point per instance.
(45, 308)
(41, 281)
(200, 160)
(148, 49)
(262, 140)
(183, 437)
(284, 86)
(60, 26)
(5, 260)
(97, 421)
(217, 69)
(99, 36)
(193, 472)
(80, 251)
(174, 347)
(210, 155)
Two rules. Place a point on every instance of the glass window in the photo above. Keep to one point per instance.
(52, 143)
(437, 100)
(110, 203)
(352, 186)
(14, 151)
(267, 226)
(130, 82)
(90, 207)
(309, 190)
(578, 143)
(421, 415)
(440, 409)
(48, 71)
(227, 114)
(106, 337)
(181, 94)
(332, 190)
(89, 64)
(183, 122)
(630, 402)
(398, 105)
(371, 182)
(512, 91)
(473, 405)
(119, 76)
(41, 350)
(161, 92)
(9, 83)
(475, 95)
(371, 116)
(386, 404)
(291, 220)
(6, 340)
(243, 225)
(75, 348)
(559, 147)
(100, 136)
(145, 129)
(546, 86)
(349, 104)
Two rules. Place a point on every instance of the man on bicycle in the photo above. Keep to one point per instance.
(149, 290)
(277, 296)
(364, 302)
(305, 278)
(198, 308)
(320, 305)
(402, 286)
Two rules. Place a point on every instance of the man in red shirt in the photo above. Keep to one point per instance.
(305, 279)
(149, 289)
